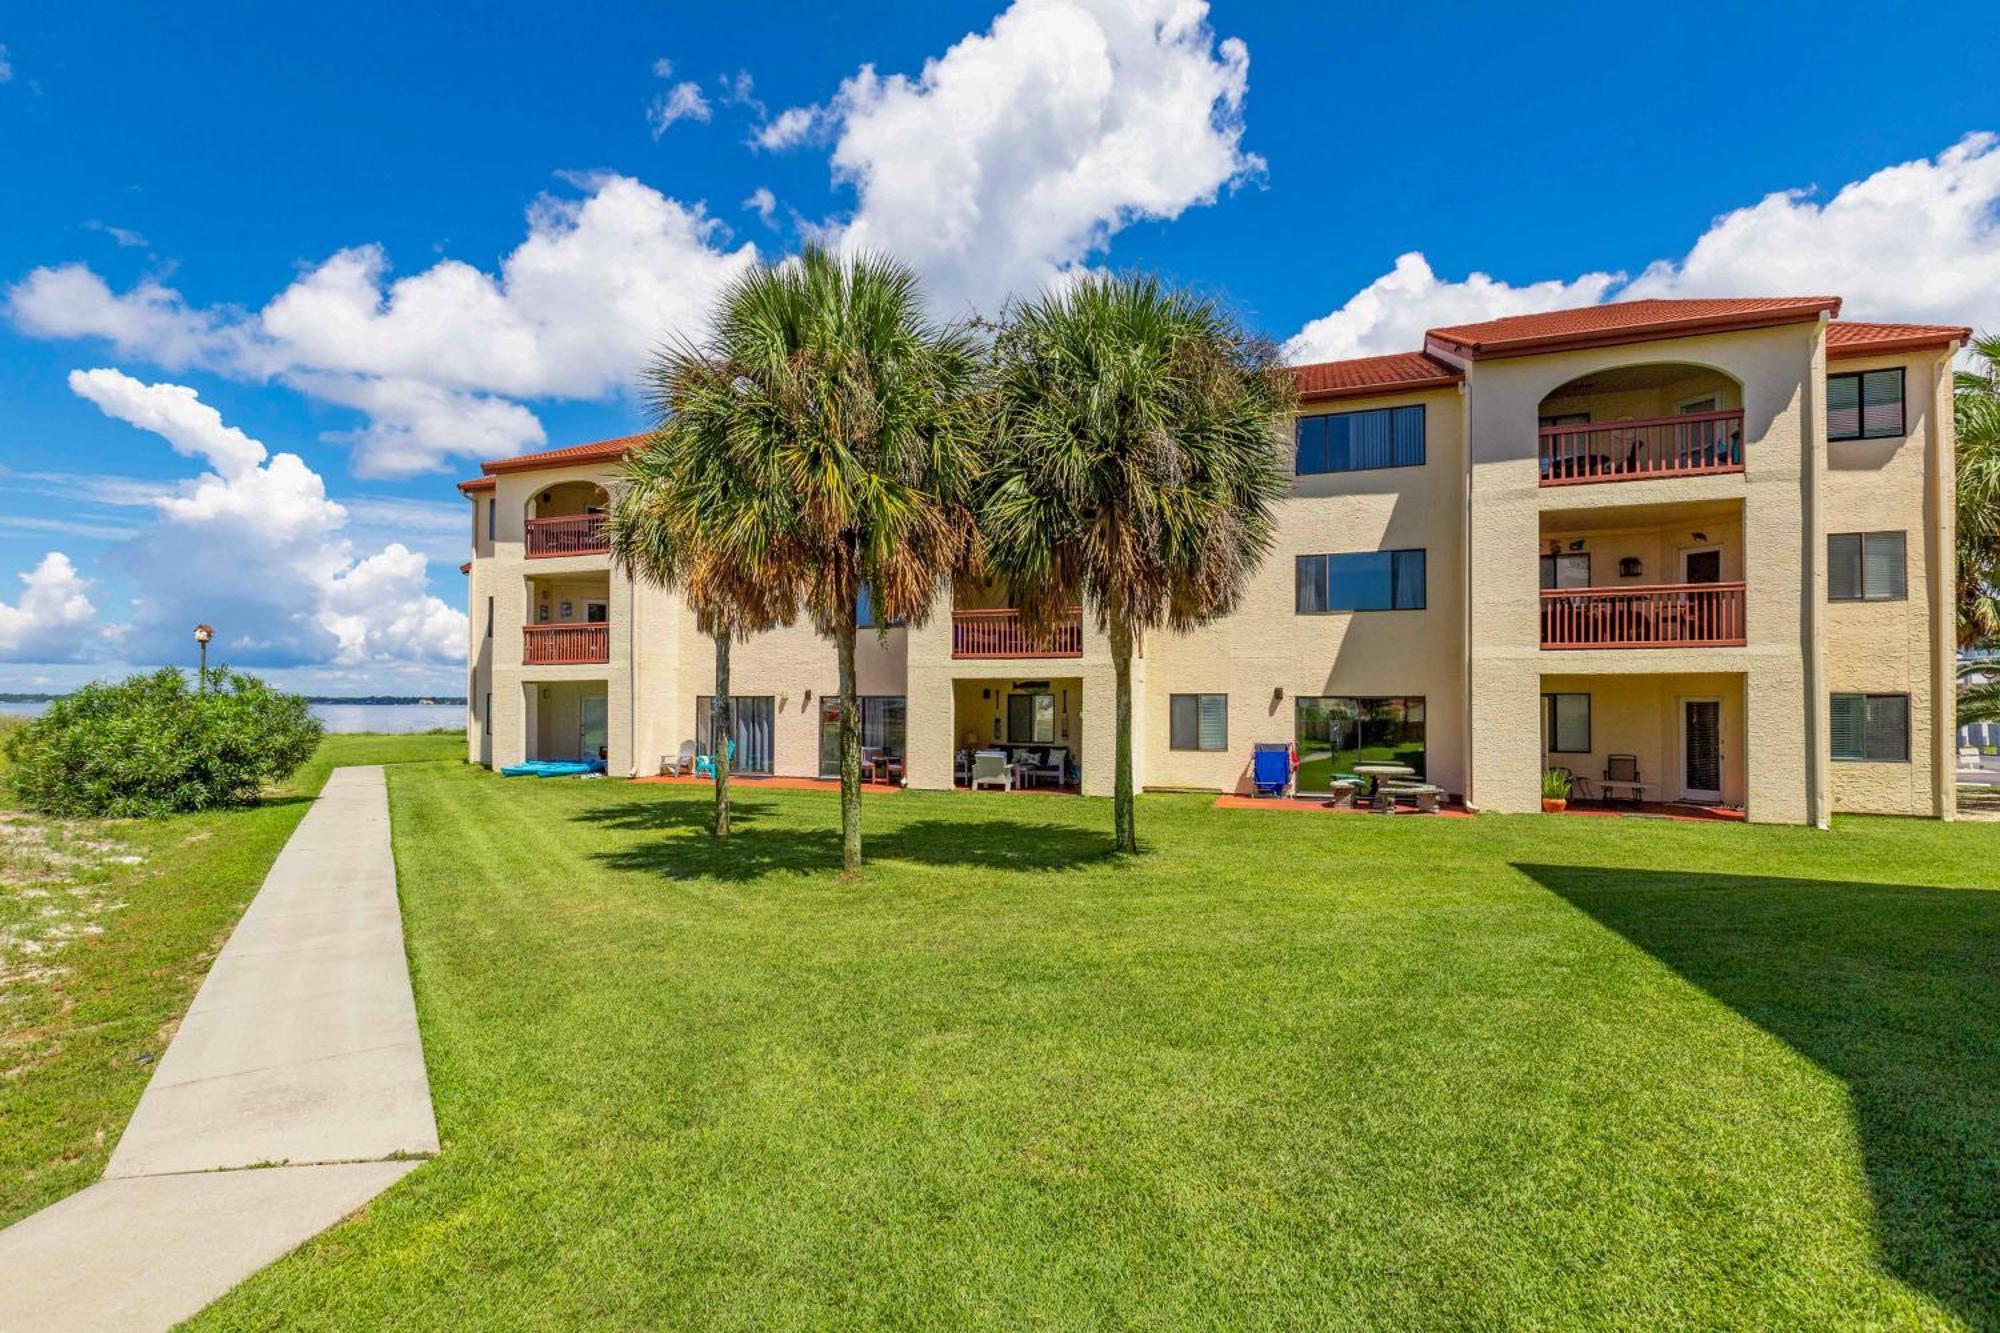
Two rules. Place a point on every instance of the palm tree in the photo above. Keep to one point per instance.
(1976, 413)
(1138, 447)
(857, 419)
(687, 514)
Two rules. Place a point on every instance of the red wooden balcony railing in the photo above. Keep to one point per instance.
(1674, 615)
(1694, 444)
(999, 634)
(572, 534)
(565, 645)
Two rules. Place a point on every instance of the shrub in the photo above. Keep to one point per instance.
(1556, 783)
(153, 745)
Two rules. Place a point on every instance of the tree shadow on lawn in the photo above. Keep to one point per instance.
(1892, 988)
(754, 849)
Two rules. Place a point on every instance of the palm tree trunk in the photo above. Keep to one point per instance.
(1124, 824)
(850, 749)
(719, 735)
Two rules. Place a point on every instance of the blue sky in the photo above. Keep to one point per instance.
(215, 403)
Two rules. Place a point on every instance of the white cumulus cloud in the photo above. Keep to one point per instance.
(50, 621)
(683, 101)
(433, 359)
(255, 547)
(1021, 150)
(1917, 241)
(763, 203)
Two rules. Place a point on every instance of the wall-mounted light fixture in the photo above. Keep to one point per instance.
(809, 696)
(1699, 536)
(1278, 694)
(1576, 545)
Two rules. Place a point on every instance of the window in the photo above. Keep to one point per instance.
(748, 722)
(864, 613)
(1566, 723)
(1361, 581)
(492, 518)
(1566, 571)
(1865, 406)
(489, 617)
(489, 712)
(882, 718)
(1355, 441)
(1865, 567)
(1198, 721)
(1874, 728)
(1031, 719)
(1334, 734)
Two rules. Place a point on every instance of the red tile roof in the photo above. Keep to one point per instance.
(1402, 372)
(1624, 322)
(1852, 338)
(477, 484)
(593, 452)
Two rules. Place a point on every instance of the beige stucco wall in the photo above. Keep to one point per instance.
(1899, 485)
(1473, 654)
(1776, 371)
(1640, 715)
(1266, 646)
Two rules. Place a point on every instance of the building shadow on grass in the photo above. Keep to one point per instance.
(1895, 990)
(759, 846)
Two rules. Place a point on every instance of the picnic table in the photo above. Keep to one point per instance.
(1377, 773)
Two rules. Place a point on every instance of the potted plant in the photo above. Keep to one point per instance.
(1556, 783)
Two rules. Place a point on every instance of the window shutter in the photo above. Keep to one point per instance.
(1882, 403)
(1181, 722)
(1850, 726)
(1843, 407)
(1883, 573)
(1213, 730)
(1888, 739)
(1843, 566)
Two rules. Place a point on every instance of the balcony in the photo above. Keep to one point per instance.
(571, 534)
(565, 645)
(1674, 615)
(999, 633)
(1692, 444)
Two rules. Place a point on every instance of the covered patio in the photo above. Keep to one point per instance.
(1658, 744)
(1018, 733)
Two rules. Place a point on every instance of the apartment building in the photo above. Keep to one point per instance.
(1710, 537)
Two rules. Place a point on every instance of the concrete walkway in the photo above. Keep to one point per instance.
(299, 1056)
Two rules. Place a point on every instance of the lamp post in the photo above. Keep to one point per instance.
(202, 634)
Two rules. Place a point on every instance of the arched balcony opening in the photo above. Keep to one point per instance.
(566, 519)
(1631, 423)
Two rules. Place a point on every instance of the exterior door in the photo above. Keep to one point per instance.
(590, 727)
(1701, 564)
(1701, 749)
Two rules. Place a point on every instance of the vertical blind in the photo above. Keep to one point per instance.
(1354, 441)
(749, 723)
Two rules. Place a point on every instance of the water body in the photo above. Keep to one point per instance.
(344, 717)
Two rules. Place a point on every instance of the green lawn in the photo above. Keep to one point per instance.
(1284, 1070)
(106, 929)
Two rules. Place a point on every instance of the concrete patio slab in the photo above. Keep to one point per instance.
(301, 1048)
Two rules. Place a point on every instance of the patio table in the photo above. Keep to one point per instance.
(1375, 773)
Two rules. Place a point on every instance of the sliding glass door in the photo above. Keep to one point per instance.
(750, 724)
(1334, 733)
(881, 728)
